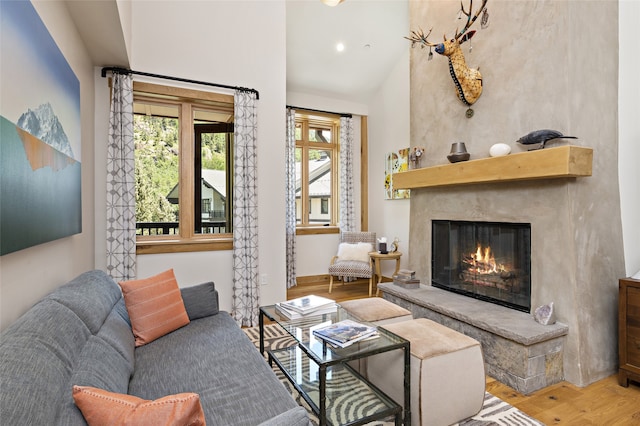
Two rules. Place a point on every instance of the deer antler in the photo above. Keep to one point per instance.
(470, 20)
(420, 37)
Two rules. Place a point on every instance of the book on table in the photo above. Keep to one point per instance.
(345, 333)
(307, 304)
(290, 314)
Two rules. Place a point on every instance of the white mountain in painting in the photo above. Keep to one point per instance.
(43, 124)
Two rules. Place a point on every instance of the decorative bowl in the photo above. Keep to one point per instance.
(455, 158)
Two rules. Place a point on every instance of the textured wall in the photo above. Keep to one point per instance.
(545, 64)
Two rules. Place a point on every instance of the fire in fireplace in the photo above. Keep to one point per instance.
(487, 260)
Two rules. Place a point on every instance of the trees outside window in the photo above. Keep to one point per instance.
(183, 158)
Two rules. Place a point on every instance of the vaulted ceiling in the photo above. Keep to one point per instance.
(371, 31)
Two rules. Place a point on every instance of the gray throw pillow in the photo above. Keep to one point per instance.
(200, 300)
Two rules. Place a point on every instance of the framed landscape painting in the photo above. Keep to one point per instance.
(40, 181)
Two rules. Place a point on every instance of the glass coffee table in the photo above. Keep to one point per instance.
(325, 376)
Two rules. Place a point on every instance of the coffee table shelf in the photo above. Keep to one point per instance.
(305, 375)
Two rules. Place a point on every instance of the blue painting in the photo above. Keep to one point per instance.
(40, 181)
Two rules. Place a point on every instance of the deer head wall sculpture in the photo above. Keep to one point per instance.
(468, 81)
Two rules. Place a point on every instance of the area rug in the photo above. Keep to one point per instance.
(494, 410)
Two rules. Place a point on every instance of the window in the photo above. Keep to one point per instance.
(184, 168)
(316, 170)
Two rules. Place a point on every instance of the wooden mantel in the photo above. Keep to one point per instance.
(561, 162)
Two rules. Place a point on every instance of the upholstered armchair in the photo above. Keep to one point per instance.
(352, 260)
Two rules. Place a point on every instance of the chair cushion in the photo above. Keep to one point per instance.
(355, 251)
(350, 268)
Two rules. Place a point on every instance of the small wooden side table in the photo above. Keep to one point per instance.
(377, 258)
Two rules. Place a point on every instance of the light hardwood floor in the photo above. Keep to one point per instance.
(603, 403)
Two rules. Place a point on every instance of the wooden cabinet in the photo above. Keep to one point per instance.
(629, 331)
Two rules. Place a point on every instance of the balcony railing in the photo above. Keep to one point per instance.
(172, 228)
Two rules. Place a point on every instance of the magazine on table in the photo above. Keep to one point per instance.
(307, 304)
(345, 333)
(290, 314)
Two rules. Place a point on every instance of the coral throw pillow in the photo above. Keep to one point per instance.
(103, 408)
(155, 306)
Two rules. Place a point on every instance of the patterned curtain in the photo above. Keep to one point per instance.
(246, 289)
(121, 190)
(347, 214)
(291, 198)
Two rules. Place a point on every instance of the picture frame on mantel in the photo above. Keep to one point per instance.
(395, 162)
(40, 185)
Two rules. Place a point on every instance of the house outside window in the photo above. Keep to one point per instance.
(183, 157)
(324, 205)
(316, 169)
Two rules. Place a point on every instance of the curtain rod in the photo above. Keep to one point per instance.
(341, 114)
(184, 80)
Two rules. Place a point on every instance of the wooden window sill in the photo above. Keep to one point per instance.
(177, 245)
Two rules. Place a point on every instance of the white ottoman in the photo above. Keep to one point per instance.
(447, 373)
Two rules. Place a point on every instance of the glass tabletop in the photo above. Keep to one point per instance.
(302, 331)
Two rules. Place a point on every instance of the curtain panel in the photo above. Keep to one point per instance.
(246, 288)
(121, 189)
(347, 211)
(290, 215)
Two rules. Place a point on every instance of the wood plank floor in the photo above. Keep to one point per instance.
(599, 404)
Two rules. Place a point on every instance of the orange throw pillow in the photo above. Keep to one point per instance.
(155, 306)
(100, 407)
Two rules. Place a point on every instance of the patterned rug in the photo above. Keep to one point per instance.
(494, 410)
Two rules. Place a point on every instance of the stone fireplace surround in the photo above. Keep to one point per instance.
(517, 350)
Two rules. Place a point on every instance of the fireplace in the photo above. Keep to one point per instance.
(490, 261)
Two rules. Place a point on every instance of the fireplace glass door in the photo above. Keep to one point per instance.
(485, 260)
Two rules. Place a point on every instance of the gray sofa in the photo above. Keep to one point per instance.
(80, 335)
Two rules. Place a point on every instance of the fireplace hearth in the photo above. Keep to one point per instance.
(489, 261)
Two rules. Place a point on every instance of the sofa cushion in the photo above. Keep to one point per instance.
(38, 353)
(200, 300)
(116, 331)
(102, 408)
(99, 365)
(155, 306)
(214, 358)
(91, 296)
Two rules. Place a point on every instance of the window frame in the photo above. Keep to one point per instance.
(188, 100)
(309, 119)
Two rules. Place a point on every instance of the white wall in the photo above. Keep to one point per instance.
(389, 131)
(232, 43)
(629, 133)
(29, 274)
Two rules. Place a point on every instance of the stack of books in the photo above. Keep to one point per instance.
(406, 278)
(345, 333)
(306, 306)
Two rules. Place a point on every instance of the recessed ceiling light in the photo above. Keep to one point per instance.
(339, 47)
